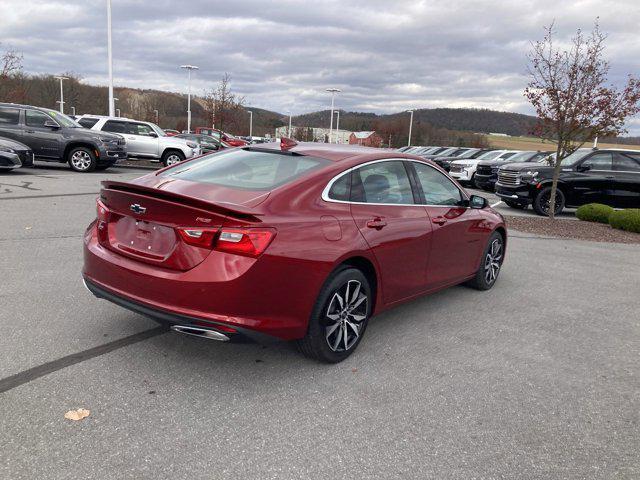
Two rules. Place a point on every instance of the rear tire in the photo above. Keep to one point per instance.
(81, 159)
(339, 318)
(171, 157)
(490, 265)
(541, 202)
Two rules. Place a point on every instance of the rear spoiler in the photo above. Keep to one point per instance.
(226, 208)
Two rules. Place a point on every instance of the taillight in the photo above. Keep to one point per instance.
(250, 242)
(198, 237)
(102, 222)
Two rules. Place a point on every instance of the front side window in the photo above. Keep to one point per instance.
(246, 169)
(34, 118)
(115, 126)
(9, 116)
(382, 182)
(437, 188)
(140, 129)
(599, 161)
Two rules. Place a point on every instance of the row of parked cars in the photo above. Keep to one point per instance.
(523, 178)
(95, 142)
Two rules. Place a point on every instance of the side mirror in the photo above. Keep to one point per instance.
(476, 201)
(51, 124)
(153, 134)
(583, 168)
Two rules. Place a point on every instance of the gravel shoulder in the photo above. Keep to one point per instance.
(578, 230)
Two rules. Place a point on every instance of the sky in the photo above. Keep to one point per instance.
(385, 56)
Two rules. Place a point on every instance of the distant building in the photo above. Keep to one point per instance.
(499, 134)
(367, 139)
(313, 134)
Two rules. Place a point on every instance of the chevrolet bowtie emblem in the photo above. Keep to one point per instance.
(136, 208)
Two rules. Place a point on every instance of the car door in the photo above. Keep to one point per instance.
(626, 173)
(456, 240)
(395, 226)
(10, 126)
(42, 134)
(592, 181)
(144, 138)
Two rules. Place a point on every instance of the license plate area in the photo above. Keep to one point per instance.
(146, 239)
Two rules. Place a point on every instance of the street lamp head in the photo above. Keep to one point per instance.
(60, 77)
(190, 67)
(333, 90)
(409, 111)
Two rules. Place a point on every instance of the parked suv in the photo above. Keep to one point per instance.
(487, 170)
(588, 175)
(144, 139)
(54, 137)
(464, 171)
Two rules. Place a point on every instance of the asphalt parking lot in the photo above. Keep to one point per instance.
(537, 378)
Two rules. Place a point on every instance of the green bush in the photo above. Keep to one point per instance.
(628, 220)
(594, 212)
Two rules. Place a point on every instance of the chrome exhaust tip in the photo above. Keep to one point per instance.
(200, 332)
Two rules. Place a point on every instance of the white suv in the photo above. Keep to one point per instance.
(144, 139)
(464, 170)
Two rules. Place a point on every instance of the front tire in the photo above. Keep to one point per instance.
(82, 159)
(172, 157)
(339, 318)
(491, 264)
(541, 204)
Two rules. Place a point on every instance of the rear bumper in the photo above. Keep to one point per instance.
(173, 318)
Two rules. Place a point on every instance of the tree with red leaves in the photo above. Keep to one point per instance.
(569, 93)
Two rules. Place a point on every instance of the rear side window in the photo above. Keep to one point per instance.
(341, 188)
(246, 169)
(115, 127)
(599, 161)
(9, 116)
(140, 129)
(88, 122)
(382, 182)
(438, 189)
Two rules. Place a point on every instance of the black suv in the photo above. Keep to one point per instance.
(487, 171)
(54, 137)
(588, 175)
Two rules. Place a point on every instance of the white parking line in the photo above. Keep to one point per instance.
(496, 204)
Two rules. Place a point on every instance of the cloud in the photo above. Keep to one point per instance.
(385, 56)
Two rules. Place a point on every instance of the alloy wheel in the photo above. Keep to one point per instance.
(545, 203)
(345, 317)
(493, 261)
(81, 160)
(173, 159)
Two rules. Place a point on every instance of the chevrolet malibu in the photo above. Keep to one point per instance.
(291, 241)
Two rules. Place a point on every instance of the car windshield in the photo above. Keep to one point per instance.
(63, 120)
(157, 129)
(576, 156)
(469, 153)
(519, 157)
(490, 155)
(246, 169)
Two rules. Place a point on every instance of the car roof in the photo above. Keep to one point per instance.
(332, 151)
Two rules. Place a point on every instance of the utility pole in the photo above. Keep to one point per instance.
(189, 68)
(110, 61)
(333, 92)
(156, 112)
(61, 101)
(250, 123)
(337, 126)
(410, 125)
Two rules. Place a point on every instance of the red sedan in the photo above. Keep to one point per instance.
(295, 241)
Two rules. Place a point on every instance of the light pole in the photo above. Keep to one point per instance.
(189, 68)
(337, 125)
(410, 125)
(114, 100)
(156, 112)
(118, 112)
(61, 101)
(73, 111)
(289, 131)
(110, 56)
(333, 92)
(250, 123)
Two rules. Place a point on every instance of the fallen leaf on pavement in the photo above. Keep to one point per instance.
(76, 415)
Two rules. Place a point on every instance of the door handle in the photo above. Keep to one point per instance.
(378, 223)
(439, 220)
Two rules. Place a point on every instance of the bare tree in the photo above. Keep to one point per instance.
(223, 107)
(12, 87)
(569, 93)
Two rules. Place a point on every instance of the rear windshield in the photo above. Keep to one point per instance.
(246, 169)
